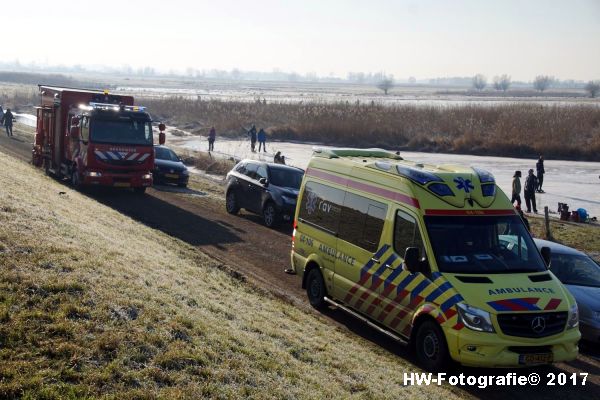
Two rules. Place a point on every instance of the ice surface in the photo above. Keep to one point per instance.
(573, 182)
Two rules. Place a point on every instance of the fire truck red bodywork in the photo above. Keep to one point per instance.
(60, 148)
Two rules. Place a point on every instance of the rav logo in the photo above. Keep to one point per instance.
(464, 184)
(311, 202)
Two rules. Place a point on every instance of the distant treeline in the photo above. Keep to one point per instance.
(27, 78)
(512, 130)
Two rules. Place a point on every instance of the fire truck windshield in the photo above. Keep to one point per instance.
(121, 130)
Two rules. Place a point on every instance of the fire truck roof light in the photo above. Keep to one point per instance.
(116, 107)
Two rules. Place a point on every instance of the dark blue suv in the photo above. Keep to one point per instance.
(267, 189)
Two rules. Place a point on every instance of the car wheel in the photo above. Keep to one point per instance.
(431, 347)
(270, 215)
(231, 203)
(315, 288)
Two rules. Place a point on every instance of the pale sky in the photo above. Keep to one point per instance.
(421, 38)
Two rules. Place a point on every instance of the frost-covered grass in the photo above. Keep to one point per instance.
(94, 304)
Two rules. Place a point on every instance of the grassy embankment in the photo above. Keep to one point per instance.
(520, 130)
(93, 304)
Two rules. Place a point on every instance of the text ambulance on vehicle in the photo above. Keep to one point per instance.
(434, 256)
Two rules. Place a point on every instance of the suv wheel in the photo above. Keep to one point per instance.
(431, 347)
(315, 289)
(231, 204)
(270, 215)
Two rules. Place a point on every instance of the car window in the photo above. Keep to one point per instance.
(250, 170)
(575, 270)
(285, 177)
(261, 172)
(241, 168)
(162, 153)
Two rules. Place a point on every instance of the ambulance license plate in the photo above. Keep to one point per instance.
(173, 176)
(535, 359)
(122, 184)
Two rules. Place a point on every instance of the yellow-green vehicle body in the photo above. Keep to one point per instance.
(480, 278)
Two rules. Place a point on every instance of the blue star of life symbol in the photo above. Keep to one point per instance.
(464, 184)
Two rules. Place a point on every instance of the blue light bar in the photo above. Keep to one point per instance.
(421, 177)
(116, 107)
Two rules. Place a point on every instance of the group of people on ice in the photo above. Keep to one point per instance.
(533, 185)
(259, 136)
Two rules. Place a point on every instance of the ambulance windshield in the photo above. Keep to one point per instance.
(121, 130)
(483, 245)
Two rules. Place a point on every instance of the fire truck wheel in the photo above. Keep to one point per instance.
(431, 347)
(75, 182)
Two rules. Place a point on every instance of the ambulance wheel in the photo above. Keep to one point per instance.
(315, 288)
(270, 215)
(431, 347)
(231, 204)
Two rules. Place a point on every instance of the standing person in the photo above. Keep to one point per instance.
(539, 166)
(530, 185)
(212, 135)
(1, 113)
(7, 120)
(516, 188)
(252, 134)
(262, 139)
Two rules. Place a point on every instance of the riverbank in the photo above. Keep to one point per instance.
(521, 130)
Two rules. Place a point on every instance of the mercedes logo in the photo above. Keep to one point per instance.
(538, 324)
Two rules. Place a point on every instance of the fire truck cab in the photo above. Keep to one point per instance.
(94, 138)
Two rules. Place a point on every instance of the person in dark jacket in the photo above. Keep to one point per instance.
(262, 139)
(7, 120)
(212, 135)
(279, 158)
(539, 166)
(252, 134)
(516, 188)
(530, 186)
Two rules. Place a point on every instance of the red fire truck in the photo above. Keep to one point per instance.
(94, 138)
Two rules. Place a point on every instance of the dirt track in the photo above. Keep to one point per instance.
(245, 245)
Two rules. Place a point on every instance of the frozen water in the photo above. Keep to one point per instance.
(573, 182)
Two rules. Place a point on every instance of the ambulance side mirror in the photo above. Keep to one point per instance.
(411, 259)
(546, 253)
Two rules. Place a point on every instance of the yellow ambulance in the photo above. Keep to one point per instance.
(433, 256)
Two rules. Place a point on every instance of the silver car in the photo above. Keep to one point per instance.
(581, 276)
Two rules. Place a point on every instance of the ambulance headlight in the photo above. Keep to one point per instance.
(573, 321)
(474, 318)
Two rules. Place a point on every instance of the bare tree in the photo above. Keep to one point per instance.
(593, 88)
(502, 82)
(542, 82)
(479, 82)
(386, 84)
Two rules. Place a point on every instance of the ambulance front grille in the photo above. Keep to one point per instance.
(534, 325)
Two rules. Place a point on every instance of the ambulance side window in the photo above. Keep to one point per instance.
(321, 206)
(407, 234)
(361, 222)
